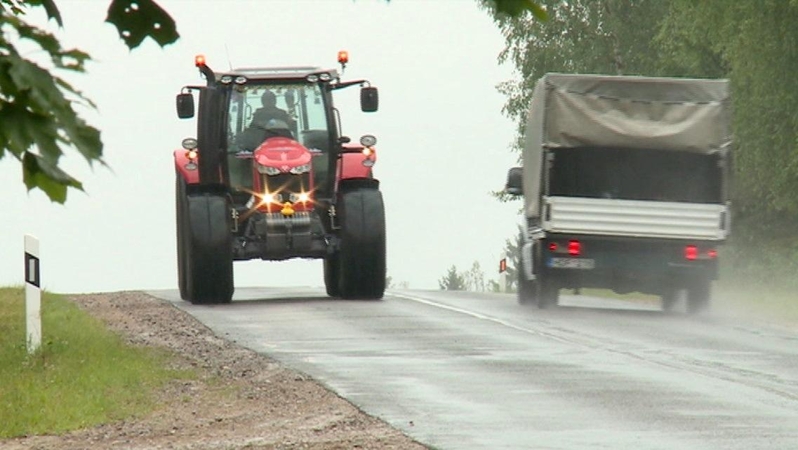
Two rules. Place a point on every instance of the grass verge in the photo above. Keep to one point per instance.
(83, 374)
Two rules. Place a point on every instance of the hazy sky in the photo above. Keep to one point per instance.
(443, 143)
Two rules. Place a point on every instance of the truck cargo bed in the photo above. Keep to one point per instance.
(635, 218)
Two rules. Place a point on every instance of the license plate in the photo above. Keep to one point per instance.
(572, 263)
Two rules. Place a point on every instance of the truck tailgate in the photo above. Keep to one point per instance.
(612, 217)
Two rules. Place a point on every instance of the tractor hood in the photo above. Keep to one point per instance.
(282, 153)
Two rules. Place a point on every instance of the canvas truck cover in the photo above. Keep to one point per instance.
(645, 113)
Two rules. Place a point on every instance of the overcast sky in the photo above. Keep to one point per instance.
(443, 143)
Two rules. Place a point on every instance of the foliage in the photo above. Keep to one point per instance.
(82, 375)
(512, 248)
(452, 281)
(37, 118)
(475, 278)
(755, 44)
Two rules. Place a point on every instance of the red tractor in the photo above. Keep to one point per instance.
(271, 176)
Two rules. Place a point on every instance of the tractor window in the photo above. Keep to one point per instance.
(301, 104)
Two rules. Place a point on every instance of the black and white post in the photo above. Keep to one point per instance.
(33, 294)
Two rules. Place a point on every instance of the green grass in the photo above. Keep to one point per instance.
(83, 375)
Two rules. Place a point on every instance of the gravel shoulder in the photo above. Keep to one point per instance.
(240, 399)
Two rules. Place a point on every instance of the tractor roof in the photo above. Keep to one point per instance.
(277, 73)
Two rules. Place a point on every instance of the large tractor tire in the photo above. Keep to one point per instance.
(361, 216)
(181, 202)
(208, 249)
(699, 292)
(332, 272)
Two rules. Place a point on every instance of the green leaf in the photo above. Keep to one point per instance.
(138, 19)
(515, 8)
(50, 8)
(39, 173)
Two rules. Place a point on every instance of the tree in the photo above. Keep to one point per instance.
(37, 118)
(475, 278)
(452, 281)
(752, 42)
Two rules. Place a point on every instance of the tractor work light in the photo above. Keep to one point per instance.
(189, 143)
(325, 76)
(227, 79)
(368, 140)
(241, 80)
(312, 78)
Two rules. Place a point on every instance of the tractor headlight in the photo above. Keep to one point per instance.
(268, 170)
(302, 197)
(304, 168)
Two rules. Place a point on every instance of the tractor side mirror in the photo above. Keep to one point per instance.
(515, 181)
(185, 105)
(369, 99)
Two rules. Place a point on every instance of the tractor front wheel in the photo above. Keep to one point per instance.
(208, 249)
(361, 215)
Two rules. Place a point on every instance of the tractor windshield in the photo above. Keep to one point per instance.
(300, 106)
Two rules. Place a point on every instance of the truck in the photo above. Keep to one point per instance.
(625, 183)
(270, 175)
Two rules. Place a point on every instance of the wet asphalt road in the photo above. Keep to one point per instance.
(478, 371)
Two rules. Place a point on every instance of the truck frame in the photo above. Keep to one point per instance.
(625, 182)
(298, 189)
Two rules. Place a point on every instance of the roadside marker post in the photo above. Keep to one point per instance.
(503, 274)
(33, 294)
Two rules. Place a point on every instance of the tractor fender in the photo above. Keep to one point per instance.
(187, 169)
(351, 164)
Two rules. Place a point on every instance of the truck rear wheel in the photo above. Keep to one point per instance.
(527, 289)
(548, 291)
(669, 298)
(361, 215)
(332, 274)
(208, 250)
(698, 295)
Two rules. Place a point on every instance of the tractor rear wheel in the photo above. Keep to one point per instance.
(180, 225)
(361, 215)
(332, 272)
(208, 249)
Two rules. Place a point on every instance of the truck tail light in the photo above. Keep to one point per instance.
(552, 247)
(574, 248)
(691, 253)
(712, 253)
